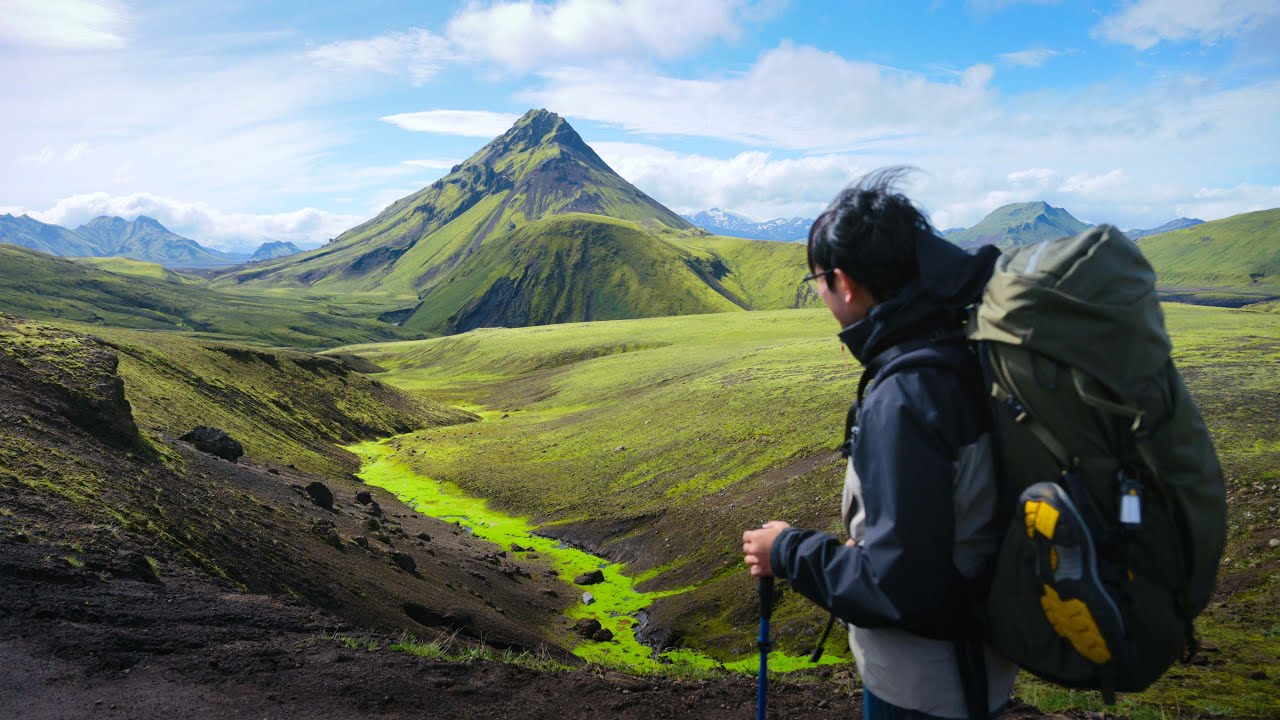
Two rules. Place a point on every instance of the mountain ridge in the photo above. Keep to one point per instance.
(143, 239)
(724, 222)
(1019, 224)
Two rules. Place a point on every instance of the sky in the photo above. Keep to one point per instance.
(238, 122)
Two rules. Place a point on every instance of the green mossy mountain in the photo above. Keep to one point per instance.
(1019, 224)
(532, 229)
(143, 239)
(1240, 252)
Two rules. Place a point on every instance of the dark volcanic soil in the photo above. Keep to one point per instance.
(74, 645)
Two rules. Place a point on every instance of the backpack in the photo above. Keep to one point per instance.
(1091, 419)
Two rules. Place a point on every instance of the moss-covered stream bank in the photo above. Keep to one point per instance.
(617, 605)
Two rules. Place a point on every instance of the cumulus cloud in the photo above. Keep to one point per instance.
(785, 100)
(1144, 23)
(751, 182)
(198, 221)
(523, 34)
(418, 52)
(63, 24)
(466, 123)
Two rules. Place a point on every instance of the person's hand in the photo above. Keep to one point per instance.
(757, 545)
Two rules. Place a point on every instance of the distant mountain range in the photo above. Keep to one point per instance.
(723, 222)
(142, 239)
(534, 229)
(1179, 224)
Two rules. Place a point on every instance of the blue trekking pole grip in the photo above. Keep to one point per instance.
(765, 590)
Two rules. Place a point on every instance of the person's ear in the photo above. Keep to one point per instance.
(844, 287)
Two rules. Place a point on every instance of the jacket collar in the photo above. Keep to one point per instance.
(948, 280)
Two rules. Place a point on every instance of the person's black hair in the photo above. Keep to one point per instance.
(869, 231)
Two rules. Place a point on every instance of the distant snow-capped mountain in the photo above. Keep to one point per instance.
(723, 222)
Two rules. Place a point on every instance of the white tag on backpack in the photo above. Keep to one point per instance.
(1130, 509)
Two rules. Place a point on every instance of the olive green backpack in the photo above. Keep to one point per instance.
(1088, 402)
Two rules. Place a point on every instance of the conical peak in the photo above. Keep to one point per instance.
(539, 128)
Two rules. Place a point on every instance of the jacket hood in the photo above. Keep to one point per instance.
(948, 280)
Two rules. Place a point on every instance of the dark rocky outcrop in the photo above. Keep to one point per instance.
(404, 561)
(592, 577)
(321, 495)
(587, 628)
(215, 442)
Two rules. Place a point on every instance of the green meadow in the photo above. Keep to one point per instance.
(655, 442)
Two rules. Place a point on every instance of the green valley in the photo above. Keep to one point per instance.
(655, 442)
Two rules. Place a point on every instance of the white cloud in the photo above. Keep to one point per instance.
(752, 182)
(1037, 177)
(523, 34)
(793, 97)
(433, 163)
(63, 24)
(1032, 57)
(198, 221)
(1144, 23)
(466, 123)
(418, 52)
(1209, 203)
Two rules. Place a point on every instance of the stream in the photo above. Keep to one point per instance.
(618, 605)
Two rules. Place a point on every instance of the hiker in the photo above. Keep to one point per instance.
(919, 496)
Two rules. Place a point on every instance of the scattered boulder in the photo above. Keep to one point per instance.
(274, 471)
(374, 508)
(140, 567)
(1273, 542)
(603, 635)
(364, 497)
(404, 561)
(588, 598)
(424, 537)
(587, 628)
(515, 547)
(321, 495)
(382, 538)
(371, 525)
(620, 448)
(1257, 675)
(589, 578)
(326, 530)
(215, 442)
(361, 540)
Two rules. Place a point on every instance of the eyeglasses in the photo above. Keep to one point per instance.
(812, 280)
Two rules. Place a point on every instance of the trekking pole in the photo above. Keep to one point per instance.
(765, 590)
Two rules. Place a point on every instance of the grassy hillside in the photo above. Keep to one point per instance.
(657, 441)
(39, 286)
(138, 268)
(293, 408)
(579, 267)
(1241, 252)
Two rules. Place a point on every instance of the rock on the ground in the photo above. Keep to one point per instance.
(587, 628)
(215, 442)
(424, 537)
(589, 578)
(1273, 542)
(321, 495)
(404, 561)
(326, 530)
(140, 567)
(603, 635)
(1257, 675)
(516, 547)
(588, 598)
(364, 497)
